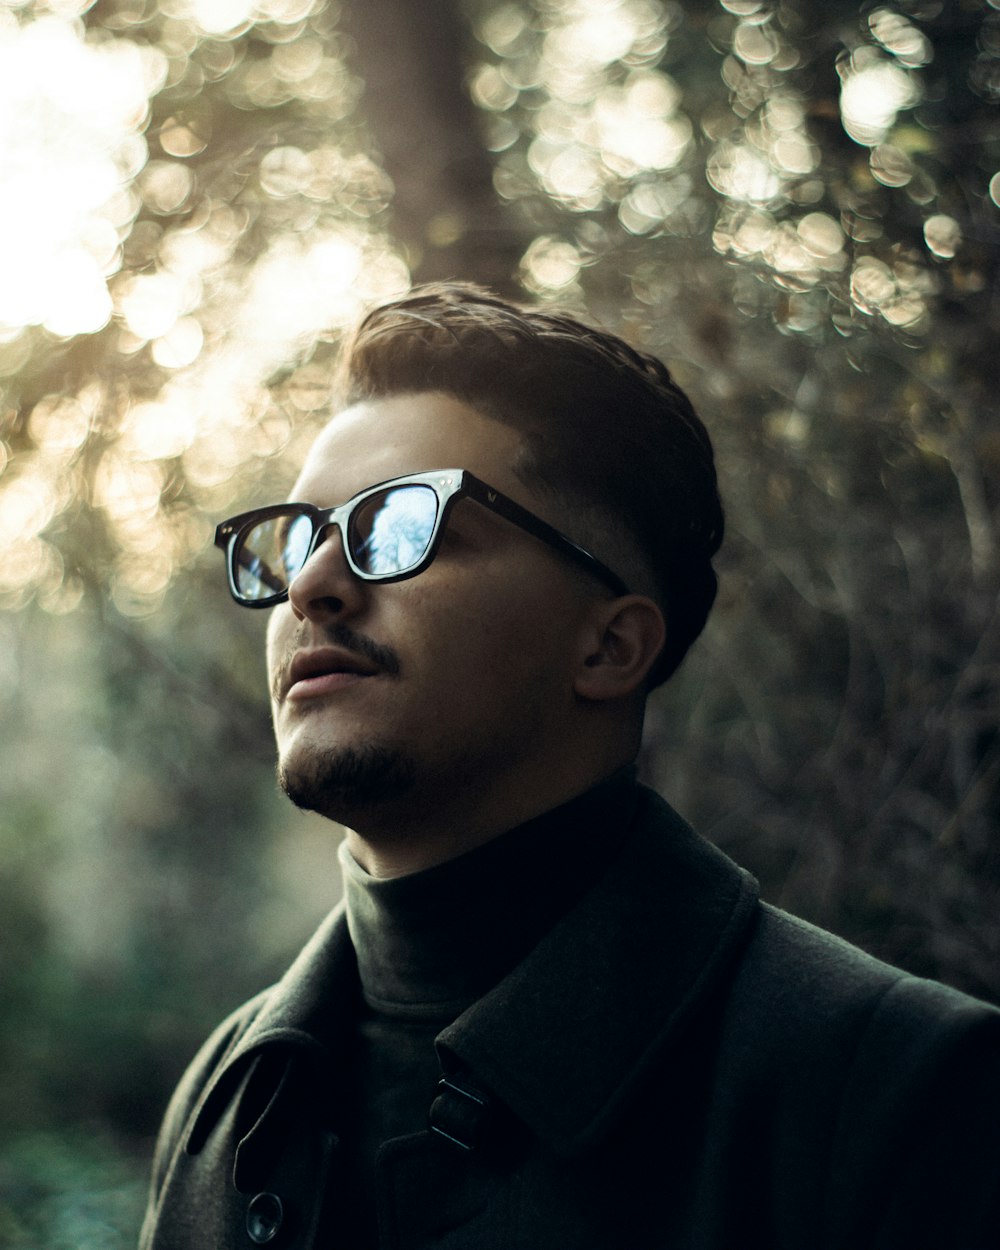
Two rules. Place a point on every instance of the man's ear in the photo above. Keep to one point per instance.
(624, 636)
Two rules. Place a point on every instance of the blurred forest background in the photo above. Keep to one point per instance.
(794, 202)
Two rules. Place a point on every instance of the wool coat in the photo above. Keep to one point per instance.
(675, 1066)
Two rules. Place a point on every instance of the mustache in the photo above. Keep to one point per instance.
(384, 658)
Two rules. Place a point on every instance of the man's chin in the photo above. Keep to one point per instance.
(342, 783)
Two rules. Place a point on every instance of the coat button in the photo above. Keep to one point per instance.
(264, 1216)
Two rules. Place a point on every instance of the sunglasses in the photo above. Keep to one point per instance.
(389, 532)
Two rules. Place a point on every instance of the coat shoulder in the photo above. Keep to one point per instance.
(791, 961)
(819, 1017)
(864, 1093)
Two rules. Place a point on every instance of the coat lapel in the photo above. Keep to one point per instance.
(567, 1037)
(307, 1012)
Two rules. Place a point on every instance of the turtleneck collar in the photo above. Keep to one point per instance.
(431, 943)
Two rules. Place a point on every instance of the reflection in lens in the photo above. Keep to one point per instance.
(391, 531)
(270, 554)
(253, 575)
(295, 547)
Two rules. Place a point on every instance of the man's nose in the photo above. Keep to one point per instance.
(326, 586)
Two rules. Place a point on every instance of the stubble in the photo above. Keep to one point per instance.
(350, 781)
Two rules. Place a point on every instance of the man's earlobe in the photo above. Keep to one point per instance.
(627, 634)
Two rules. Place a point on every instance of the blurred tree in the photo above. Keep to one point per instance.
(445, 212)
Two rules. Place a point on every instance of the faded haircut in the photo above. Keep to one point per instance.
(605, 428)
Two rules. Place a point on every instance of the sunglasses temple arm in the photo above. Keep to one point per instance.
(512, 511)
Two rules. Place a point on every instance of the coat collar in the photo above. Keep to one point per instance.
(567, 1037)
(624, 970)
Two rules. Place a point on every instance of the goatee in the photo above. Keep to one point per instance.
(342, 783)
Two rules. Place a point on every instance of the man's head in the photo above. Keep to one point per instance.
(447, 659)
(605, 430)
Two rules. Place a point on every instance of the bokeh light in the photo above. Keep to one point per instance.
(943, 235)
(874, 90)
(590, 110)
(608, 120)
(897, 34)
(218, 267)
(72, 114)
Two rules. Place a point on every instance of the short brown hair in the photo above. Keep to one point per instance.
(604, 427)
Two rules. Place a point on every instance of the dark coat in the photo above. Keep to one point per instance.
(676, 1066)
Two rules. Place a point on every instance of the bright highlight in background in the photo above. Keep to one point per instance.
(71, 117)
(199, 330)
(874, 91)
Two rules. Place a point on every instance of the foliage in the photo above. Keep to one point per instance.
(77, 1191)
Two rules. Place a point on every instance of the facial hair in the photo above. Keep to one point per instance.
(341, 783)
(344, 783)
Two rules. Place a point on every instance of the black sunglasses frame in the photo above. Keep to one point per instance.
(449, 485)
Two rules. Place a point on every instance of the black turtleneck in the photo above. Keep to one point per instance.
(430, 944)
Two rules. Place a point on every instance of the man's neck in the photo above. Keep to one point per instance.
(412, 838)
(440, 939)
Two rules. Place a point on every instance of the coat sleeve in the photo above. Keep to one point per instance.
(917, 1156)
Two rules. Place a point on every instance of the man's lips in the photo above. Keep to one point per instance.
(323, 669)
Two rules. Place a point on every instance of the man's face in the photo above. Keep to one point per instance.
(455, 682)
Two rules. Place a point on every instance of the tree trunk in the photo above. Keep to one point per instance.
(446, 212)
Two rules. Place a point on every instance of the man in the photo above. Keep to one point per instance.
(548, 1015)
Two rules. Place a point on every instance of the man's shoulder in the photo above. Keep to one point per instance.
(789, 960)
(868, 1074)
(797, 994)
(792, 969)
(803, 998)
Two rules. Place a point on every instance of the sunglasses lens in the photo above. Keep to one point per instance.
(269, 554)
(391, 531)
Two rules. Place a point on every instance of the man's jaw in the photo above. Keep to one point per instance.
(348, 784)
